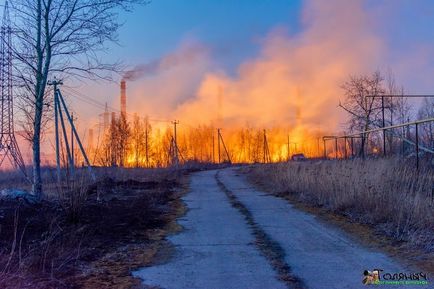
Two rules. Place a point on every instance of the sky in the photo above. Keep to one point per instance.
(262, 63)
(229, 27)
(231, 30)
(231, 33)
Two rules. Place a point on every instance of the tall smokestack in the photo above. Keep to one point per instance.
(123, 98)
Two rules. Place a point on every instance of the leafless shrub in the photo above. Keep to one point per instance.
(73, 194)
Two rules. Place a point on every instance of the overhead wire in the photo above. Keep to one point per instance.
(80, 96)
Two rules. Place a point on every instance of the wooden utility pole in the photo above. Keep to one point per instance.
(218, 145)
(324, 148)
(352, 147)
(77, 137)
(59, 108)
(175, 142)
(220, 140)
(146, 144)
(383, 125)
(55, 83)
(336, 148)
(345, 147)
(72, 142)
(288, 152)
(213, 146)
(266, 150)
(264, 147)
(417, 147)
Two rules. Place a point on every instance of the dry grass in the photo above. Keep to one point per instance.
(387, 194)
(85, 234)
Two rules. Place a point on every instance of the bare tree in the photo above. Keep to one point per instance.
(138, 137)
(397, 111)
(123, 141)
(148, 141)
(364, 111)
(60, 37)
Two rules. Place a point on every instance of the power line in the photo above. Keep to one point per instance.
(78, 95)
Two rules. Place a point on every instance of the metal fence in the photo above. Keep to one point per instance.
(411, 139)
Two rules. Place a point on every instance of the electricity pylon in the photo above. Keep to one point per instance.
(8, 143)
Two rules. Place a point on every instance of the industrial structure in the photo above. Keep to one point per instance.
(8, 143)
(123, 98)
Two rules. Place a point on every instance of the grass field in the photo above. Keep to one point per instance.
(88, 234)
(387, 194)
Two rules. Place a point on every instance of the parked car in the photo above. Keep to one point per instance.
(298, 157)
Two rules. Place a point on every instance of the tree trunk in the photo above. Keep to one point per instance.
(37, 181)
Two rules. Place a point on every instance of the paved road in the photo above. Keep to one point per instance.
(216, 249)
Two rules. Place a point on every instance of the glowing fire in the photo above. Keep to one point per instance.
(202, 144)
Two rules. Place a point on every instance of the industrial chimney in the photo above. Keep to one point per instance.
(123, 98)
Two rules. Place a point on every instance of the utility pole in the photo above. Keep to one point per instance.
(77, 137)
(218, 145)
(336, 148)
(55, 83)
(345, 147)
(72, 142)
(324, 148)
(384, 125)
(267, 157)
(59, 102)
(264, 147)
(288, 149)
(352, 147)
(220, 139)
(213, 146)
(146, 143)
(417, 147)
(175, 142)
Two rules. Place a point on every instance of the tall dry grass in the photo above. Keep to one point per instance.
(386, 193)
(46, 243)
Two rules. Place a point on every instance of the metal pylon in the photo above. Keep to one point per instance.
(8, 143)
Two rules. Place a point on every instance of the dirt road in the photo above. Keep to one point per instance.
(220, 246)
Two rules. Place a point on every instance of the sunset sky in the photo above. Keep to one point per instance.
(398, 34)
(274, 61)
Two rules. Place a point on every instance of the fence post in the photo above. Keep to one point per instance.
(325, 149)
(345, 147)
(417, 146)
(352, 147)
(336, 147)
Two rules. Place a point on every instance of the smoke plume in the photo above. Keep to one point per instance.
(293, 84)
(185, 55)
(295, 81)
